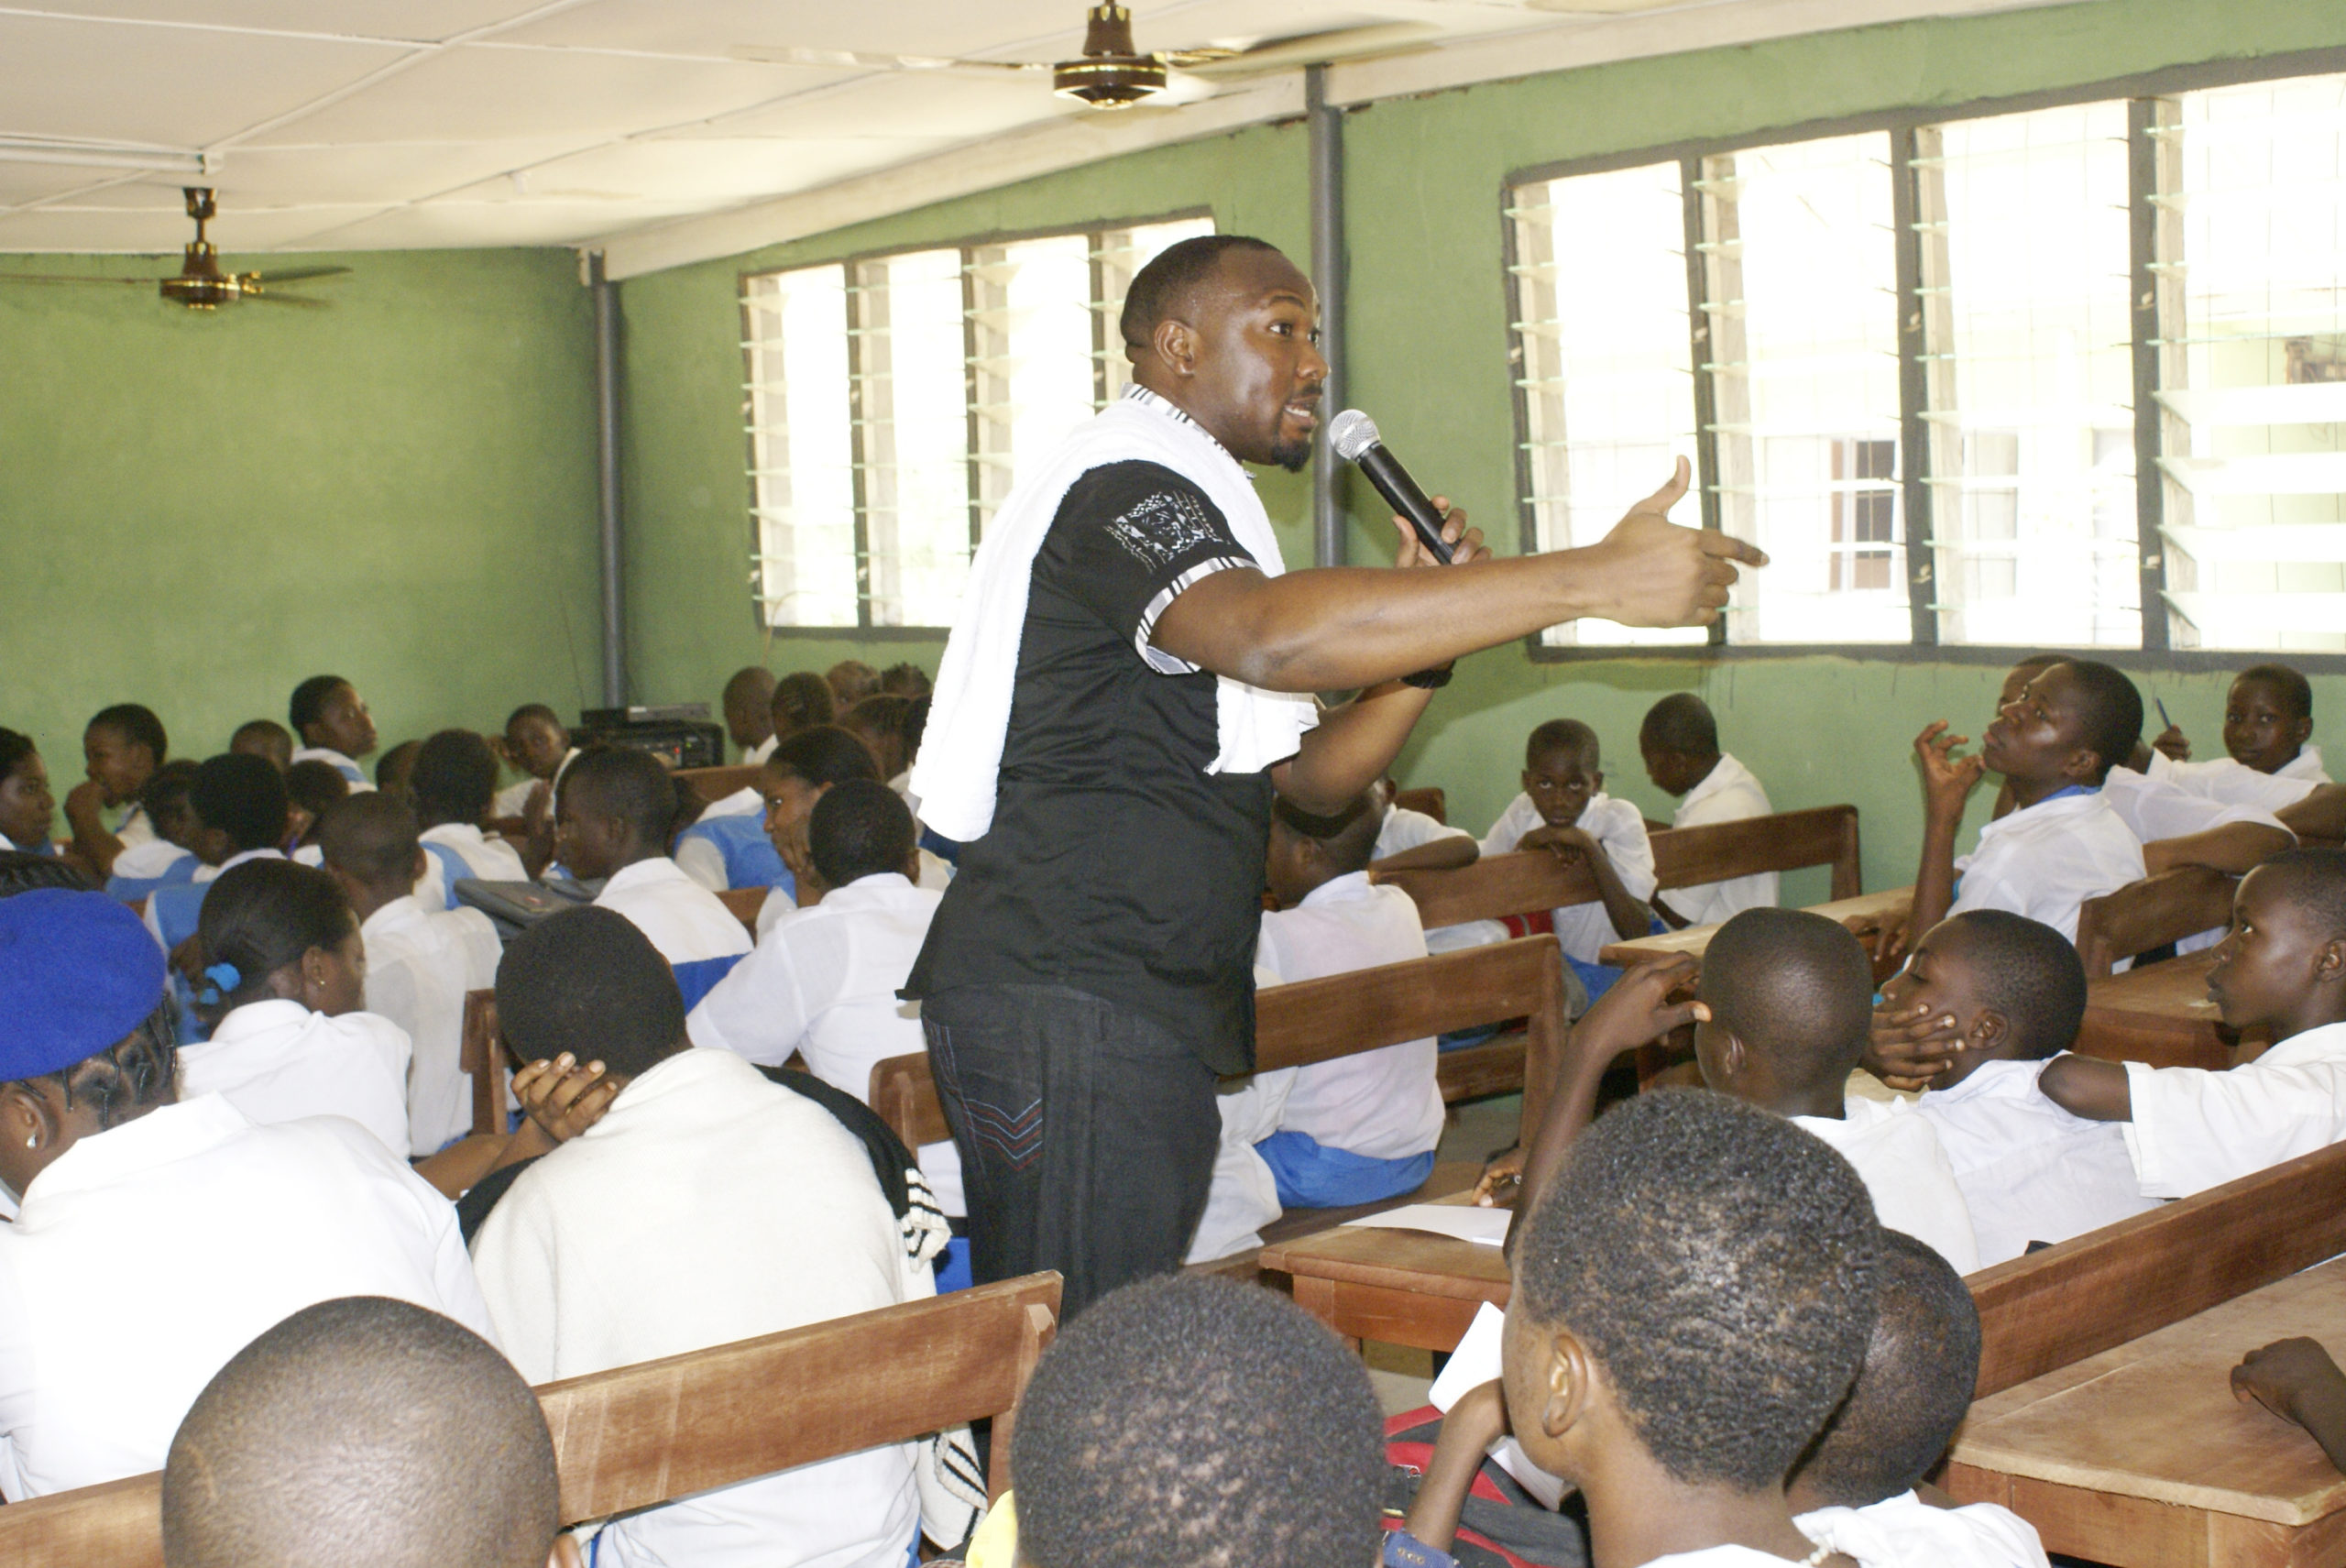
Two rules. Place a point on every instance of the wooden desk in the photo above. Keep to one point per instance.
(1866, 916)
(1407, 1287)
(2161, 1014)
(2141, 1458)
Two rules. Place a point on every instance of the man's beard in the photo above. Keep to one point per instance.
(1292, 455)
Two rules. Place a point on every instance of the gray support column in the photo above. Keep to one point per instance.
(1327, 157)
(606, 474)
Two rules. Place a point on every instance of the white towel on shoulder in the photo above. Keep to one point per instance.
(960, 753)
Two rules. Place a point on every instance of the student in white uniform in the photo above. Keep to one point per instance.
(419, 962)
(536, 745)
(748, 705)
(331, 720)
(1856, 1490)
(2062, 844)
(707, 1206)
(285, 973)
(2268, 729)
(312, 789)
(612, 822)
(2281, 971)
(1414, 841)
(123, 747)
(728, 845)
(823, 981)
(1987, 998)
(143, 1198)
(802, 700)
(804, 764)
(27, 810)
(265, 739)
(1564, 810)
(238, 807)
(451, 783)
(164, 859)
(366, 1420)
(1680, 743)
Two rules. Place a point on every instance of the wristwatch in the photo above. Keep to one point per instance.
(1429, 680)
(1403, 1550)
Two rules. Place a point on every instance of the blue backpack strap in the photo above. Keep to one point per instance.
(699, 977)
(453, 867)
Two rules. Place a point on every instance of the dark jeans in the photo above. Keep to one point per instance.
(1087, 1132)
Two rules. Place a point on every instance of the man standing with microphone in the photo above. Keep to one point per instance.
(1127, 686)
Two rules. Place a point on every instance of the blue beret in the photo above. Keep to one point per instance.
(78, 973)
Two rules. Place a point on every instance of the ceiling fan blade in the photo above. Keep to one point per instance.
(61, 277)
(853, 59)
(1320, 47)
(301, 274)
(1190, 58)
(300, 300)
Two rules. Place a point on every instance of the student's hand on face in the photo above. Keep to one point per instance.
(563, 1098)
(1466, 544)
(83, 803)
(1910, 1045)
(1502, 1180)
(2279, 1377)
(1947, 779)
(1638, 1011)
(2172, 745)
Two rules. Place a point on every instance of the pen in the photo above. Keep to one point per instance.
(2161, 702)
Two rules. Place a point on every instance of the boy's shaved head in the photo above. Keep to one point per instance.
(1348, 838)
(2109, 711)
(1796, 988)
(1913, 1391)
(2290, 685)
(1562, 735)
(362, 1428)
(2313, 881)
(371, 836)
(1681, 722)
(2026, 971)
(264, 737)
(630, 785)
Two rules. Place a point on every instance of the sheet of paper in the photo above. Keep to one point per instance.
(1461, 1221)
(1477, 1361)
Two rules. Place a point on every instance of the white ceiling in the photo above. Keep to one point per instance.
(387, 124)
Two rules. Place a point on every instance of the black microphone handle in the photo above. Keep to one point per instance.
(1401, 492)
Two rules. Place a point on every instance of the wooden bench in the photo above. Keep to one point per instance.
(639, 1435)
(745, 902)
(480, 1054)
(2150, 914)
(2162, 1015)
(1787, 841)
(1867, 916)
(1432, 802)
(713, 784)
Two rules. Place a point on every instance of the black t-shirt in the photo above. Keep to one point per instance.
(1116, 865)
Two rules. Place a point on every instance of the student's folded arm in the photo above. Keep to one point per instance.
(2236, 847)
(2087, 1087)
(2321, 814)
(1630, 916)
(1441, 855)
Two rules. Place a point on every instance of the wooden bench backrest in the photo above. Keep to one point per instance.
(1432, 801)
(480, 1055)
(1788, 841)
(1319, 1020)
(745, 902)
(2051, 1308)
(1495, 887)
(643, 1434)
(713, 784)
(2150, 914)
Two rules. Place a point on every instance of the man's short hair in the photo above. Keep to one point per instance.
(859, 829)
(1348, 838)
(1681, 722)
(2029, 972)
(750, 682)
(588, 982)
(1722, 1266)
(2110, 714)
(631, 785)
(2314, 881)
(824, 755)
(2296, 691)
(372, 837)
(1795, 985)
(1164, 288)
(454, 777)
(803, 699)
(136, 724)
(365, 1427)
(532, 710)
(1913, 1389)
(1562, 735)
(314, 786)
(269, 733)
(244, 797)
(1188, 1420)
(308, 705)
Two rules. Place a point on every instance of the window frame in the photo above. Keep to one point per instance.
(865, 629)
(2140, 92)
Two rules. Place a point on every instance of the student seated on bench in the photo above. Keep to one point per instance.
(265, 739)
(2270, 759)
(748, 705)
(612, 821)
(2281, 969)
(1680, 743)
(535, 745)
(160, 1234)
(1411, 840)
(1987, 998)
(1857, 1488)
(708, 1205)
(419, 961)
(452, 785)
(2062, 844)
(238, 812)
(823, 981)
(728, 845)
(1192, 1422)
(806, 763)
(365, 1427)
(1564, 810)
(166, 858)
(122, 747)
(331, 719)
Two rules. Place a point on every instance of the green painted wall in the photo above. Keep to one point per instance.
(1427, 354)
(198, 509)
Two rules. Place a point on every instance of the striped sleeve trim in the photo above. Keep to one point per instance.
(1156, 658)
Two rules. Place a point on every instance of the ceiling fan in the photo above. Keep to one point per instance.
(1112, 72)
(199, 284)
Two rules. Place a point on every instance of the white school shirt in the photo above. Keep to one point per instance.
(513, 800)
(492, 859)
(135, 828)
(2193, 1129)
(1405, 829)
(704, 861)
(757, 755)
(684, 919)
(348, 769)
(822, 982)
(207, 874)
(708, 1206)
(419, 963)
(278, 1062)
(781, 902)
(1897, 1155)
(1904, 1531)
(1725, 1557)
(1619, 830)
(1729, 792)
(2236, 784)
(2029, 1171)
(148, 1254)
(152, 858)
(2045, 860)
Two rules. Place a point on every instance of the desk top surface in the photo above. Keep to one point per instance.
(2178, 988)
(1864, 914)
(2156, 1418)
(1419, 1261)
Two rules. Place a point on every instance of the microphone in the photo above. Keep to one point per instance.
(1353, 437)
